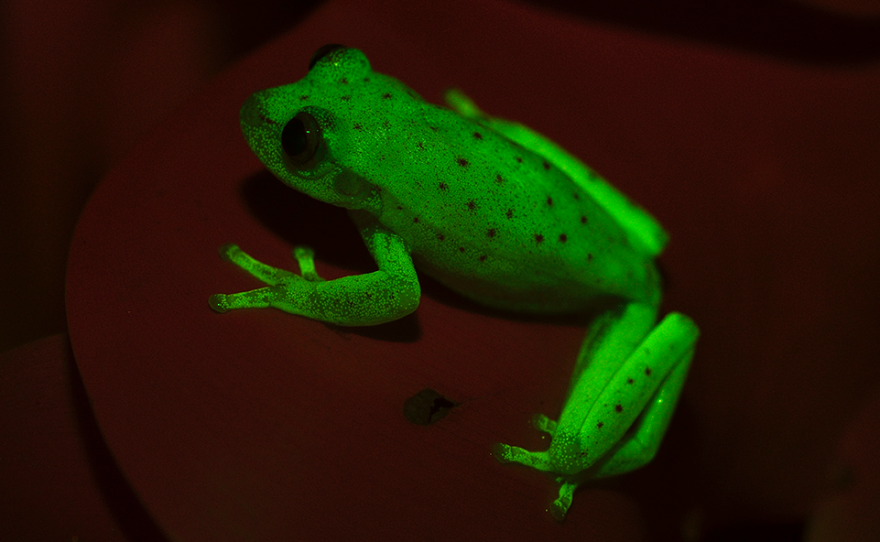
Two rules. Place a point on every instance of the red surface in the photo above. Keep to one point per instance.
(58, 479)
(258, 424)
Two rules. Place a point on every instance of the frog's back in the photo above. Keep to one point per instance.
(504, 225)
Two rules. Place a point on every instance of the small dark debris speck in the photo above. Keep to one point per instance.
(427, 407)
(618, 408)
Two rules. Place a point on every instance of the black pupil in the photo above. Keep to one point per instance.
(294, 139)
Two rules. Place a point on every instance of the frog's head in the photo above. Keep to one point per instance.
(309, 133)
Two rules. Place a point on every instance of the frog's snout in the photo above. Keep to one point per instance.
(250, 113)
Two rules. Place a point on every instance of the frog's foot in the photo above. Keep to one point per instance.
(277, 279)
(560, 506)
(541, 461)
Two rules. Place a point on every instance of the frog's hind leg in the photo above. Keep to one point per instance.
(642, 441)
(667, 350)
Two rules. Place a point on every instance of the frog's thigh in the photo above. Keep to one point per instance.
(670, 347)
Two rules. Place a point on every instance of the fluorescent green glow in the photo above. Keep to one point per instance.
(498, 213)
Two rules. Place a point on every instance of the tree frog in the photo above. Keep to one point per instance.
(498, 213)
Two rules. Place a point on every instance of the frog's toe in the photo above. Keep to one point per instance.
(217, 303)
(543, 423)
(560, 506)
(227, 250)
(502, 452)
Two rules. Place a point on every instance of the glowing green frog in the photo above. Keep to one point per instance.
(499, 214)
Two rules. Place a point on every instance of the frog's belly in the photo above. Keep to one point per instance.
(550, 287)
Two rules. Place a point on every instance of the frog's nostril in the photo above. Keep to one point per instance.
(250, 112)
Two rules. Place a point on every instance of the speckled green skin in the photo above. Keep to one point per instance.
(496, 212)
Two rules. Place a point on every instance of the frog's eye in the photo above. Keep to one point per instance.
(301, 140)
(323, 51)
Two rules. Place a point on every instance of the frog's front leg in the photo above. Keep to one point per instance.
(627, 381)
(388, 294)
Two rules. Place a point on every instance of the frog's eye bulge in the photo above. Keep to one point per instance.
(324, 51)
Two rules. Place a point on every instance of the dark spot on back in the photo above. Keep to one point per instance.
(461, 249)
(563, 238)
(386, 96)
(471, 205)
(490, 232)
(539, 238)
(648, 371)
(415, 220)
(629, 380)
(549, 200)
(583, 219)
(599, 425)
(462, 162)
(509, 213)
(546, 164)
(618, 408)
(518, 159)
(478, 135)
(344, 81)
(356, 126)
(443, 186)
(441, 237)
(345, 98)
(589, 257)
(483, 258)
(577, 196)
(304, 97)
(499, 179)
